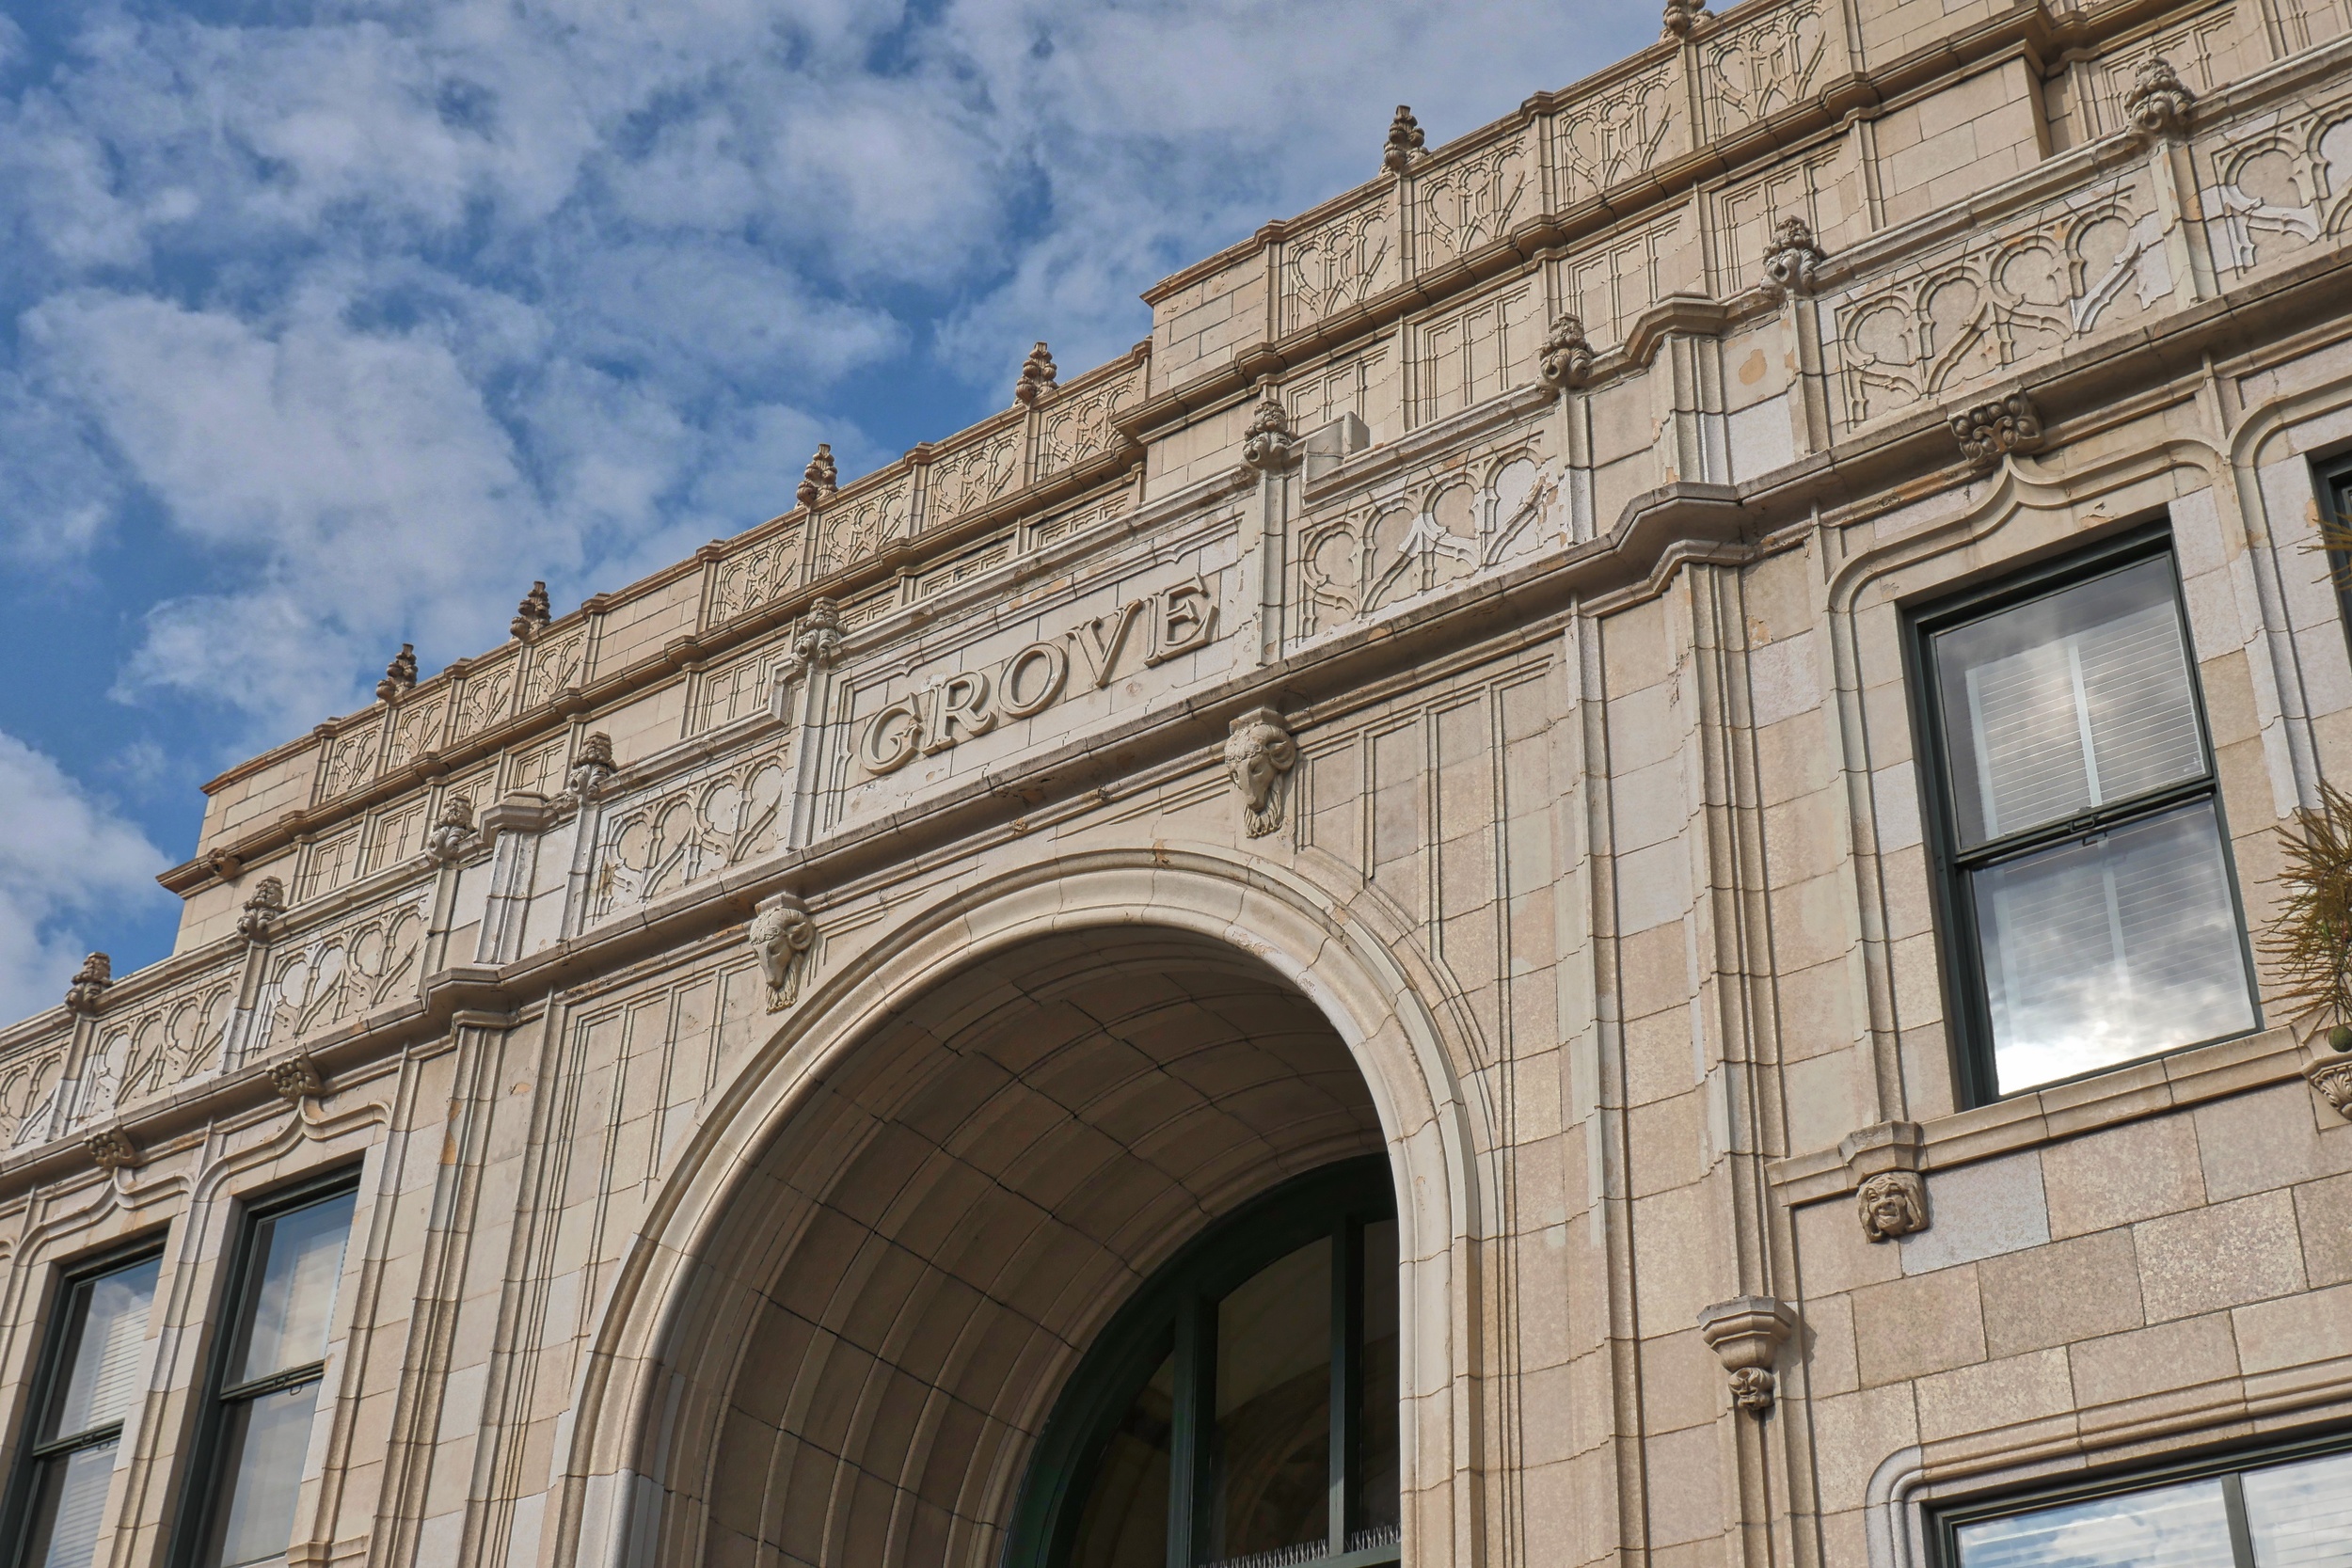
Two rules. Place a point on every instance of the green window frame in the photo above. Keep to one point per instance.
(267, 1371)
(2297, 1512)
(1976, 861)
(1173, 1321)
(82, 1390)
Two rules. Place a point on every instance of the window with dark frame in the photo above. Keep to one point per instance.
(2287, 1507)
(268, 1368)
(87, 1382)
(1242, 1410)
(2332, 482)
(2089, 907)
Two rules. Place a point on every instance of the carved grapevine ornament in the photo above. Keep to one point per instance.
(1991, 431)
(1037, 377)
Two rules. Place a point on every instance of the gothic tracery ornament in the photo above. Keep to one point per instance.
(1407, 145)
(1567, 358)
(1990, 431)
(256, 920)
(399, 675)
(2159, 103)
(820, 479)
(1037, 377)
(1260, 754)
(87, 993)
(1792, 261)
(781, 934)
(530, 616)
(1892, 1203)
(1267, 447)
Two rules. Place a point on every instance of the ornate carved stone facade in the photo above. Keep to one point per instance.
(1450, 695)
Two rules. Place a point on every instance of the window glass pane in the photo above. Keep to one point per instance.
(68, 1505)
(263, 1441)
(1373, 1510)
(2102, 952)
(1124, 1524)
(302, 1254)
(2172, 1527)
(2076, 700)
(103, 1377)
(1269, 1469)
(2300, 1516)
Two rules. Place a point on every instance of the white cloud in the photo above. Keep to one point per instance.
(387, 307)
(65, 858)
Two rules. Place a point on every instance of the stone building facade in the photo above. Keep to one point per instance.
(1678, 708)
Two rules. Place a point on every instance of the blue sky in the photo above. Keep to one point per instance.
(325, 327)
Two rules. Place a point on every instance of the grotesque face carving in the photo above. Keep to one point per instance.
(1752, 1389)
(1893, 1203)
(780, 934)
(1257, 755)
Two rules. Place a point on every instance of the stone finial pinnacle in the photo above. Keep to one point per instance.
(1406, 142)
(820, 478)
(399, 675)
(1037, 377)
(530, 616)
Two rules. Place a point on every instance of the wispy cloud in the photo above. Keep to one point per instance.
(66, 858)
(374, 310)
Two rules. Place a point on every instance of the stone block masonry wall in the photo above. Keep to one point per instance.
(1447, 694)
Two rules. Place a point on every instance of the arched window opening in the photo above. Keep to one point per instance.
(1240, 1412)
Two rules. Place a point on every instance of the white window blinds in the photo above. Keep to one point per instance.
(2067, 703)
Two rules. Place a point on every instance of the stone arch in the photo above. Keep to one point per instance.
(657, 1476)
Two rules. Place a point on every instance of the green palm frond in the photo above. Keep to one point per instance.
(2308, 940)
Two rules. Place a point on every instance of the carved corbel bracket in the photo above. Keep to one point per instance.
(1266, 445)
(2331, 1077)
(1567, 356)
(453, 836)
(1746, 1333)
(112, 1148)
(2159, 106)
(259, 917)
(1260, 754)
(782, 933)
(1792, 261)
(593, 768)
(522, 812)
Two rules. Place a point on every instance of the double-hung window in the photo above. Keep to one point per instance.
(266, 1383)
(2089, 901)
(87, 1382)
(2289, 1509)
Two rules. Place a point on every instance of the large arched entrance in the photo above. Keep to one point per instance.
(970, 1197)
